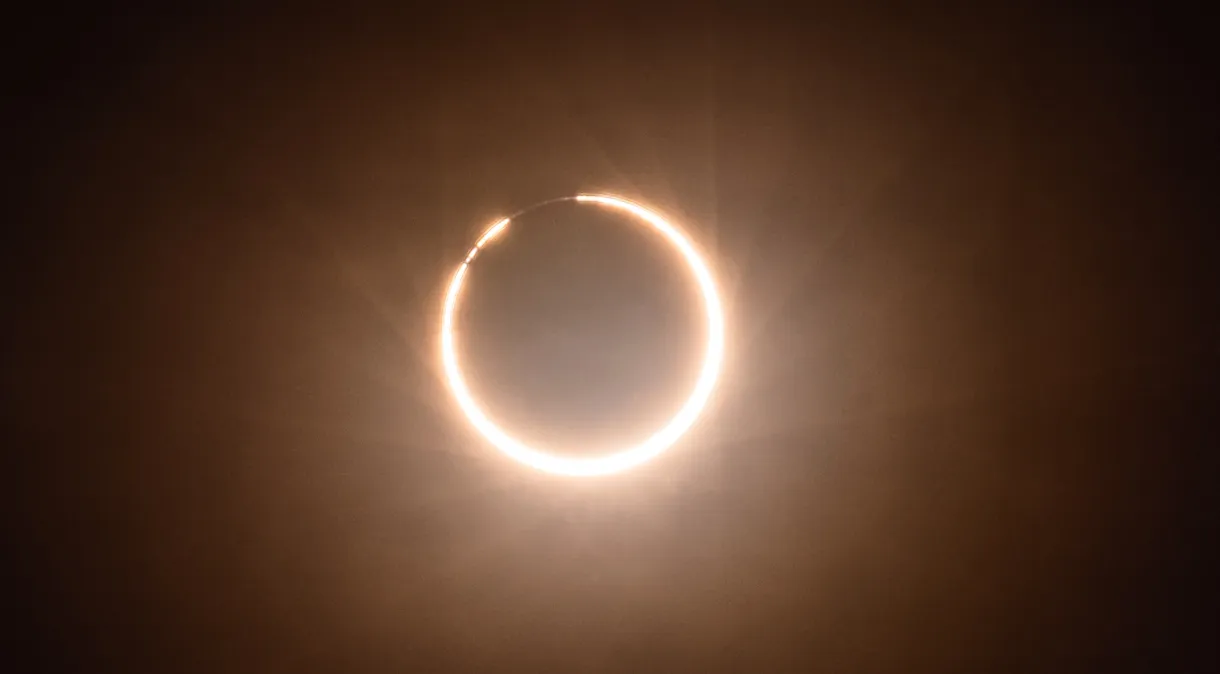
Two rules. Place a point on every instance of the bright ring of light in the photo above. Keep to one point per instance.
(632, 456)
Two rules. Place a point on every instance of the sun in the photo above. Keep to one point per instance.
(628, 457)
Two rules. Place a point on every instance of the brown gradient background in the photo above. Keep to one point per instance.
(961, 426)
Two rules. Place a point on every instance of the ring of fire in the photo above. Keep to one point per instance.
(626, 458)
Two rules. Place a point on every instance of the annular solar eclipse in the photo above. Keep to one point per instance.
(627, 457)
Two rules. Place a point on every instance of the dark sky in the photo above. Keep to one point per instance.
(960, 427)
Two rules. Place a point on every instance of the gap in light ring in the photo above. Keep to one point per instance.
(623, 459)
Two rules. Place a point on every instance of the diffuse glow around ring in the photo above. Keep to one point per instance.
(623, 459)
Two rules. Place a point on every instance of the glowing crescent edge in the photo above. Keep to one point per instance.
(622, 459)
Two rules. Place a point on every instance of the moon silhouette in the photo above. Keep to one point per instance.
(628, 457)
